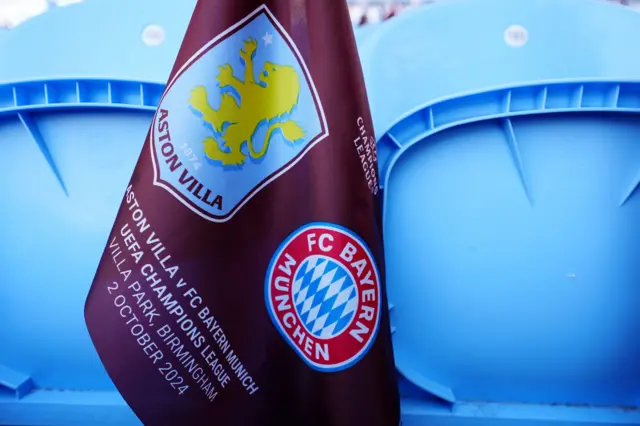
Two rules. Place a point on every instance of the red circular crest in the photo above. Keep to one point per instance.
(323, 294)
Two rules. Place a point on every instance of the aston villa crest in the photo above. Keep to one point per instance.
(238, 114)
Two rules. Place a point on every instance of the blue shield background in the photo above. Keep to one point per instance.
(189, 130)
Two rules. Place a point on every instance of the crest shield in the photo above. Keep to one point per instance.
(240, 113)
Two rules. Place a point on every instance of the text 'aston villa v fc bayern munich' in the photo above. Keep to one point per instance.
(168, 318)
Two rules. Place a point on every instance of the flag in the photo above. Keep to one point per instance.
(242, 283)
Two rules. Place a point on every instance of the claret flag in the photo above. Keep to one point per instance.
(243, 281)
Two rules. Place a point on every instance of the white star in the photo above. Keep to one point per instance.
(268, 39)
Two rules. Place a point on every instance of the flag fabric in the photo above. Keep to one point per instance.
(242, 283)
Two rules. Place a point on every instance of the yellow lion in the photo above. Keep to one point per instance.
(237, 123)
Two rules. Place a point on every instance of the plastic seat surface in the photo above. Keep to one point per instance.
(510, 171)
(73, 152)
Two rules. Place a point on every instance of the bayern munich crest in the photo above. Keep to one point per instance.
(323, 294)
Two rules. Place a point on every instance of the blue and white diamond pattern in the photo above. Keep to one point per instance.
(325, 296)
